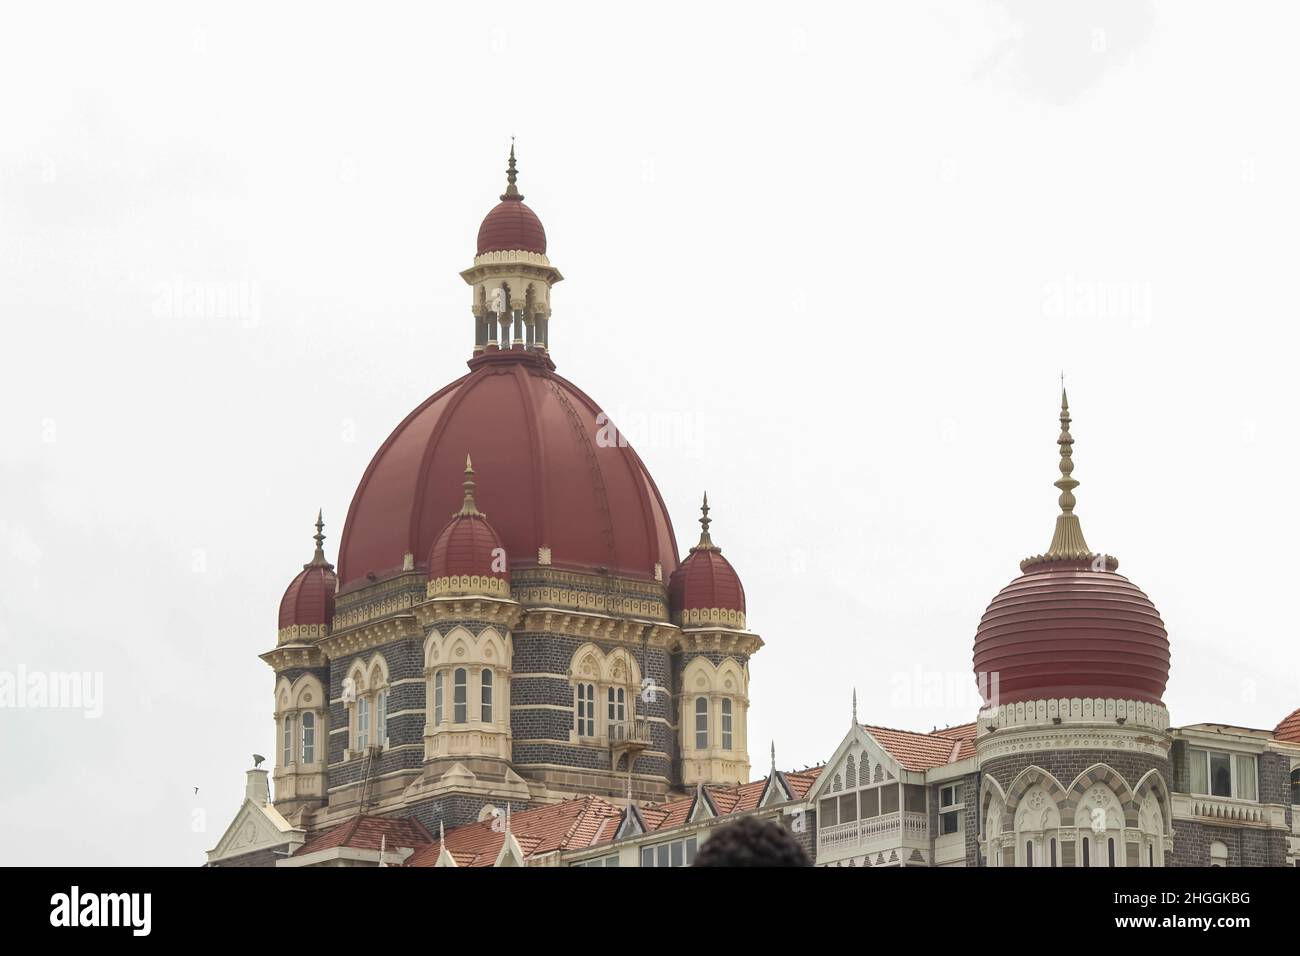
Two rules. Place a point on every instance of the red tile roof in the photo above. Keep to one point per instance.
(916, 751)
(369, 833)
(728, 800)
(571, 825)
(1289, 729)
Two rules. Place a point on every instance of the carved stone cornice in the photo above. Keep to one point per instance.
(372, 634)
(717, 616)
(1074, 710)
(478, 585)
(1029, 740)
(500, 611)
(379, 599)
(294, 655)
(301, 633)
(718, 639)
(554, 588)
(598, 627)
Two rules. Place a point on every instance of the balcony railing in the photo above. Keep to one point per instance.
(892, 826)
(636, 731)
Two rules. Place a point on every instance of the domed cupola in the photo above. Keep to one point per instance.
(511, 226)
(1070, 627)
(705, 589)
(467, 557)
(307, 608)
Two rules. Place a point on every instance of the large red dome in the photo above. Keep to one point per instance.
(545, 477)
(1062, 629)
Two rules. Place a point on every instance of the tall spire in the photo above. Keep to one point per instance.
(467, 506)
(1068, 543)
(512, 191)
(855, 705)
(318, 559)
(706, 543)
(773, 757)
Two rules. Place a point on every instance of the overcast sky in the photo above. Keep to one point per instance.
(829, 259)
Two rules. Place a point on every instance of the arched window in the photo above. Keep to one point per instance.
(381, 718)
(586, 710)
(308, 737)
(726, 724)
(363, 723)
(701, 723)
(1218, 854)
(460, 696)
(438, 680)
(485, 693)
(288, 740)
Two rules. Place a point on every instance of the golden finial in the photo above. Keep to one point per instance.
(512, 191)
(319, 557)
(467, 506)
(706, 542)
(1068, 543)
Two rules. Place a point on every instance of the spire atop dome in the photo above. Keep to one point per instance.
(512, 191)
(318, 559)
(706, 543)
(1068, 543)
(468, 507)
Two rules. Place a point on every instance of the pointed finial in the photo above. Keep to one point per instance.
(319, 557)
(706, 542)
(512, 191)
(442, 837)
(1068, 543)
(468, 507)
(855, 705)
(773, 757)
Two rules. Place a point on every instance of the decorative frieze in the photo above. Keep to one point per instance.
(1074, 710)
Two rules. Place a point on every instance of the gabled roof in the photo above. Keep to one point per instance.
(919, 752)
(725, 801)
(571, 825)
(370, 833)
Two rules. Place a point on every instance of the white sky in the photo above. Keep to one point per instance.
(840, 254)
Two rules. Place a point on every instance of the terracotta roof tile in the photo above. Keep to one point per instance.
(1289, 729)
(916, 751)
(369, 833)
(570, 825)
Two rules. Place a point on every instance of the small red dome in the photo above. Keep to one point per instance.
(1062, 629)
(706, 581)
(468, 546)
(511, 227)
(309, 599)
(1289, 729)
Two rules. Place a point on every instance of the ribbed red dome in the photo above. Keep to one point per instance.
(1289, 729)
(1062, 629)
(553, 481)
(511, 226)
(706, 580)
(309, 599)
(466, 547)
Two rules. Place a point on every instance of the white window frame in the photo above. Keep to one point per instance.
(439, 700)
(486, 685)
(363, 722)
(307, 748)
(702, 734)
(1235, 782)
(460, 695)
(726, 709)
(955, 790)
(584, 709)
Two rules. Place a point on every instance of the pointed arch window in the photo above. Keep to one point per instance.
(586, 710)
(308, 737)
(363, 723)
(460, 696)
(288, 740)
